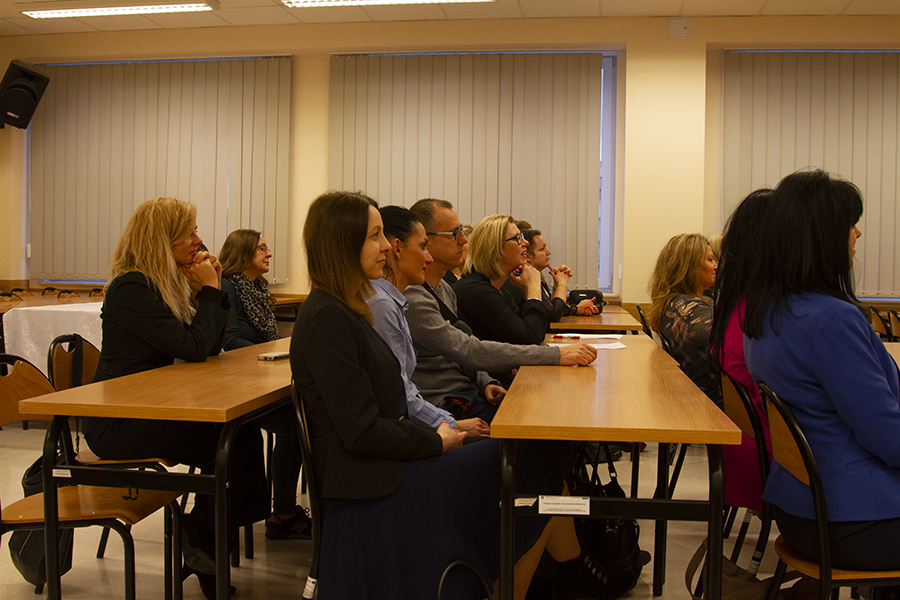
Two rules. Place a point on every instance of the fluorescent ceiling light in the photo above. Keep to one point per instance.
(102, 8)
(307, 3)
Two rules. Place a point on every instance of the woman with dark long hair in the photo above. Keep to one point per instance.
(808, 340)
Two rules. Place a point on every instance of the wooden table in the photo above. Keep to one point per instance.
(230, 388)
(48, 300)
(613, 318)
(637, 393)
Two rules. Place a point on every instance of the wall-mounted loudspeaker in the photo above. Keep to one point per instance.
(20, 92)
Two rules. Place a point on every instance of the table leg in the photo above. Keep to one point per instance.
(223, 453)
(507, 517)
(659, 543)
(51, 508)
(716, 518)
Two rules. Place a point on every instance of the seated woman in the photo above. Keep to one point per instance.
(555, 300)
(163, 302)
(678, 310)
(740, 256)
(400, 502)
(245, 261)
(406, 261)
(807, 339)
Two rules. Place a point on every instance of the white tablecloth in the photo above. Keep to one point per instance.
(29, 331)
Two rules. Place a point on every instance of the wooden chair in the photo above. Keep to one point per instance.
(21, 292)
(67, 294)
(96, 292)
(48, 290)
(880, 324)
(315, 510)
(82, 506)
(9, 297)
(682, 452)
(792, 452)
(740, 410)
(894, 323)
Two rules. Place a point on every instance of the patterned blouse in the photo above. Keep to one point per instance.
(686, 325)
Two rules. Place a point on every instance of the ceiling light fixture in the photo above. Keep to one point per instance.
(102, 8)
(310, 3)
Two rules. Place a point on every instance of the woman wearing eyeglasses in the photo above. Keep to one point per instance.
(245, 261)
(497, 253)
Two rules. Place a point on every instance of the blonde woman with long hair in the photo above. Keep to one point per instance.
(163, 302)
(679, 311)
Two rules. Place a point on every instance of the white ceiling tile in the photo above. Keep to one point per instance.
(121, 23)
(52, 25)
(501, 9)
(411, 12)
(560, 8)
(805, 7)
(9, 27)
(328, 14)
(873, 7)
(258, 15)
(731, 8)
(641, 8)
(189, 20)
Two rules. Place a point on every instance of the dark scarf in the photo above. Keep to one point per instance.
(255, 298)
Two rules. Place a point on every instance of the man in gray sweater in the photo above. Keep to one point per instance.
(451, 363)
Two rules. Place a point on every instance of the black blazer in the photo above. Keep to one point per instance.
(354, 398)
(141, 333)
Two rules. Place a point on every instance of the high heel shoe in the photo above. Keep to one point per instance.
(207, 582)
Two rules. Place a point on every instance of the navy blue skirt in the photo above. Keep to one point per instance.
(446, 509)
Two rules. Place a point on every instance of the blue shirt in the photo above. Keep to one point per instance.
(843, 387)
(388, 308)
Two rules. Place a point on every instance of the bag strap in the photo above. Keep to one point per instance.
(448, 314)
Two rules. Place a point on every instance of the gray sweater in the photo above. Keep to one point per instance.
(449, 357)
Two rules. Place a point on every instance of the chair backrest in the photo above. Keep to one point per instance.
(880, 324)
(644, 322)
(894, 323)
(95, 292)
(75, 366)
(67, 294)
(20, 291)
(8, 297)
(48, 290)
(740, 409)
(23, 381)
(315, 510)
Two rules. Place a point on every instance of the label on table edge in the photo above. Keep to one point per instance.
(564, 505)
(61, 473)
(525, 502)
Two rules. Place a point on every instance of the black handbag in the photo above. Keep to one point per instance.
(576, 296)
(612, 542)
(27, 547)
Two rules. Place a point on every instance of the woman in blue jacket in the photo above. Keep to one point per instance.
(807, 339)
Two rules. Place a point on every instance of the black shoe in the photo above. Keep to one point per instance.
(197, 546)
(580, 579)
(298, 527)
(207, 582)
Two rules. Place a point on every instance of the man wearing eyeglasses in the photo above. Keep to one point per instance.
(451, 363)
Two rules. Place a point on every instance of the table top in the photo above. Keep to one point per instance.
(636, 393)
(48, 300)
(180, 392)
(613, 318)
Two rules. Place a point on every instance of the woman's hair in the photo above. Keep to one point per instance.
(803, 245)
(529, 234)
(238, 251)
(715, 244)
(146, 246)
(399, 223)
(486, 245)
(677, 272)
(523, 225)
(739, 259)
(333, 237)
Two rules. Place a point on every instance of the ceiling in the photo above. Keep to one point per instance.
(272, 12)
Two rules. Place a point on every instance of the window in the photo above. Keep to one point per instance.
(837, 111)
(515, 133)
(109, 136)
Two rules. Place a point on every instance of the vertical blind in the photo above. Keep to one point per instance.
(109, 136)
(837, 111)
(492, 133)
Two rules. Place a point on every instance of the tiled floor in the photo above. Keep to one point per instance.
(279, 569)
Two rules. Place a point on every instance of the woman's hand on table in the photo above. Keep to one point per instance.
(474, 427)
(450, 438)
(494, 393)
(587, 308)
(578, 353)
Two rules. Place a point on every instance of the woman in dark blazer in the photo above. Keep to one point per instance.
(163, 302)
(400, 501)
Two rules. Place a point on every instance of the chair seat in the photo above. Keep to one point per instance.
(811, 569)
(87, 457)
(79, 503)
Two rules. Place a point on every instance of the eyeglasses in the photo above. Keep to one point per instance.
(519, 238)
(264, 249)
(454, 234)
